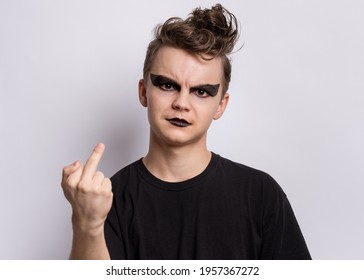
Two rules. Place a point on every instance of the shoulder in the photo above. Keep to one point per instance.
(252, 178)
(244, 171)
(127, 176)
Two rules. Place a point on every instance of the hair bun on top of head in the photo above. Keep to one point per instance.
(205, 31)
(216, 27)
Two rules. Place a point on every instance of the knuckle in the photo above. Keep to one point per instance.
(83, 185)
(107, 183)
(65, 171)
(70, 181)
(99, 174)
(107, 193)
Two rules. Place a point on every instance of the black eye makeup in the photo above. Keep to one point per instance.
(211, 90)
(164, 83)
(168, 84)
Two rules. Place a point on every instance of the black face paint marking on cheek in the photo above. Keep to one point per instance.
(211, 90)
(159, 80)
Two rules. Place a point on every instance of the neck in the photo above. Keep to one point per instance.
(176, 163)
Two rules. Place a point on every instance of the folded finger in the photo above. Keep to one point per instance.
(74, 179)
(98, 178)
(106, 183)
(69, 169)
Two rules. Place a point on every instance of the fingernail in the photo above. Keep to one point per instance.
(100, 146)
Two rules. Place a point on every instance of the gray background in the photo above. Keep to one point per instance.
(68, 79)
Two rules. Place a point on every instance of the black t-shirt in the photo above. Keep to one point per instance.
(229, 211)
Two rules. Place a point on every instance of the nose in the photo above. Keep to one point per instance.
(181, 101)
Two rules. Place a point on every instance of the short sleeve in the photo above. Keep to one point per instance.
(282, 238)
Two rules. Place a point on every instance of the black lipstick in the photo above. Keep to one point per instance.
(179, 122)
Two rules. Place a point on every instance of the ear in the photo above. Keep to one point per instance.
(222, 106)
(142, 93)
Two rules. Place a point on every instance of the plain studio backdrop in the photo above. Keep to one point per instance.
(68, 80)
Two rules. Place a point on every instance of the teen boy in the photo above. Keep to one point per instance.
(182, 201)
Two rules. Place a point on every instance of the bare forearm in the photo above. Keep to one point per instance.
(89, 247)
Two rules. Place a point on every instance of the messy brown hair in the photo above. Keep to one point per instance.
(205, 32)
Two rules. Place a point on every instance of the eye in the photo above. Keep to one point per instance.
(167, 86)
(202, 93)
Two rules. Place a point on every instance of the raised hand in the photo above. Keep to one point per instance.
(89, 193)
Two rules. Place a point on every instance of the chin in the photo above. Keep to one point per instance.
(176, 137)
(181, 140)
(177, 142)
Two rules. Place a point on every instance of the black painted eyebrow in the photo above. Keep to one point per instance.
(212, 90)
(158, 80)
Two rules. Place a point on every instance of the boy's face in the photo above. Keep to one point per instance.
(183, 94)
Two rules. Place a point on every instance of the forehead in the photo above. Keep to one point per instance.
(186, 67)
